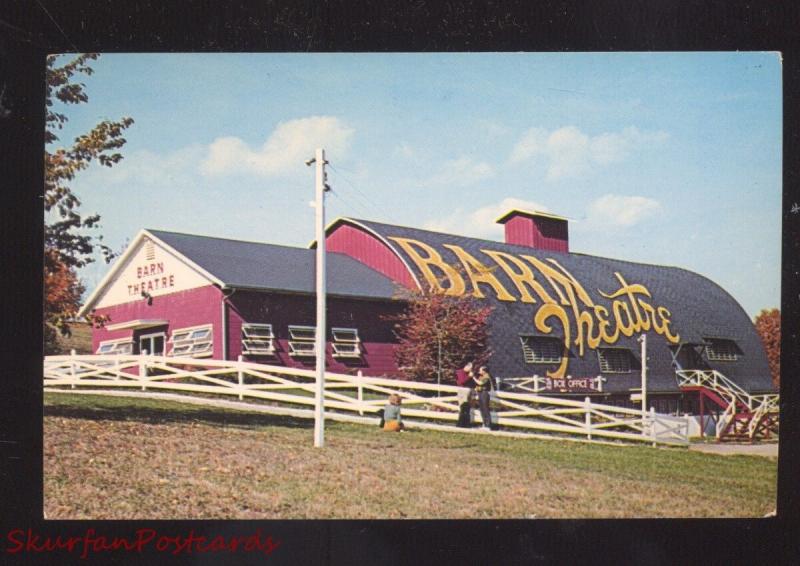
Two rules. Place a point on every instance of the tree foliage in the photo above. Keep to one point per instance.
(459, 325)
(768, 326)
(70, 240)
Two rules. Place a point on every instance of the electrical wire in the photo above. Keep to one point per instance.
(370, 203)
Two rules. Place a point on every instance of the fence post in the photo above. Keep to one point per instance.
(72, 369)
(359, 375)
(535, 383)
(241, 376)
(653, 425)
(143, 368)
(587, 407)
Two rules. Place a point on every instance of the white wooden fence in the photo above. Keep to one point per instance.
(422, 402)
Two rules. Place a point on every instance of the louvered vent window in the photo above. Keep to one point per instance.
(722, 350)
(257, 339)
(195, 342)
(541, 350)
(124, 347)
(149, 250)
(346, 343)
(614, 360)
(302, 341)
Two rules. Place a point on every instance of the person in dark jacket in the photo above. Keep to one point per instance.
(483, 386)
(464, 379)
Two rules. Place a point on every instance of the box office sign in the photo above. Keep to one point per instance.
(570, 384)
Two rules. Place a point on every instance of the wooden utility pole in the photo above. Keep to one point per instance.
(319, 205)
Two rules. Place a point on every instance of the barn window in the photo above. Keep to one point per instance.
(542, 350)
(123, 346)
(614, 360)
(721, 350)
(196, 341)
(302, 341)
(346, 343)
(257, 339)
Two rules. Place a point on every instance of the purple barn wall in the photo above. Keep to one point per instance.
(281, 311)
(202, 306)
(184, 308)
(540, 233)
(367, 249)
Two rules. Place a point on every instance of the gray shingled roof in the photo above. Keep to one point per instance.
(699, 307)
(252, 265)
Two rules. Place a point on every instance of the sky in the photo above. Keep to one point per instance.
(661, 158)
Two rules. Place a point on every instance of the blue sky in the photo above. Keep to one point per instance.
(669, 158)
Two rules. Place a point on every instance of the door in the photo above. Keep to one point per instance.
(152, 343)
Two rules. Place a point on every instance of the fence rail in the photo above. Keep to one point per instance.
(423, 402)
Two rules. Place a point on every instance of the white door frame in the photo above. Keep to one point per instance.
(150, 338)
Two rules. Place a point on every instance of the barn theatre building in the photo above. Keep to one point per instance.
(570, 318)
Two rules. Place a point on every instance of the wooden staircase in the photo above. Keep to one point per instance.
(738, 414)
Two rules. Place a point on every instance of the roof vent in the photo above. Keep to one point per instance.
(538, 230)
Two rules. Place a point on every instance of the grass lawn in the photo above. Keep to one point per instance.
(80, 339)
(122, 458)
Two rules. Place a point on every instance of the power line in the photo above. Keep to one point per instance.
(360, 197)
(348, 203)
(366, 199)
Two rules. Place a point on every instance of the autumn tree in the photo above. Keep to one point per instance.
(768, 326)
(70, 238)
(439, 332)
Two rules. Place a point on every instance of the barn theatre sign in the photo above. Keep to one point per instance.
(151, 277)
(562, 297)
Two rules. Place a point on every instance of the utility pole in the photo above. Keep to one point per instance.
(319, 205)
(643, 341)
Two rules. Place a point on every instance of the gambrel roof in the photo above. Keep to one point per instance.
(236, 264)
(699, 310)
(269, 267)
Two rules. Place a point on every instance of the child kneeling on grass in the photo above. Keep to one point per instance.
(391, 414)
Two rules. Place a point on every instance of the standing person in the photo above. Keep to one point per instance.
(391, 414)
(465, 380)
(483, 385)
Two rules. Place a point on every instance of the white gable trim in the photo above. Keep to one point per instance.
(122, 260)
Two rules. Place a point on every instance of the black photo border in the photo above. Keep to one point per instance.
(31, 29)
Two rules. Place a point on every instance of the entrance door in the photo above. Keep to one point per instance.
(153, 343)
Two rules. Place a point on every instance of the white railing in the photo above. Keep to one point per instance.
(728, 389)
(356, 394)
(758, 406)
(725, 418)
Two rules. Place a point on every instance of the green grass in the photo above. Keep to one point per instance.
(80, 339)
(123, 458)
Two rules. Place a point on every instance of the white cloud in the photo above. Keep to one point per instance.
(621, 211)
(461, 172)
(287, 147)
(569, 152)
(481, 223)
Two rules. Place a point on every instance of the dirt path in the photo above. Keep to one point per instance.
(768, 450)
